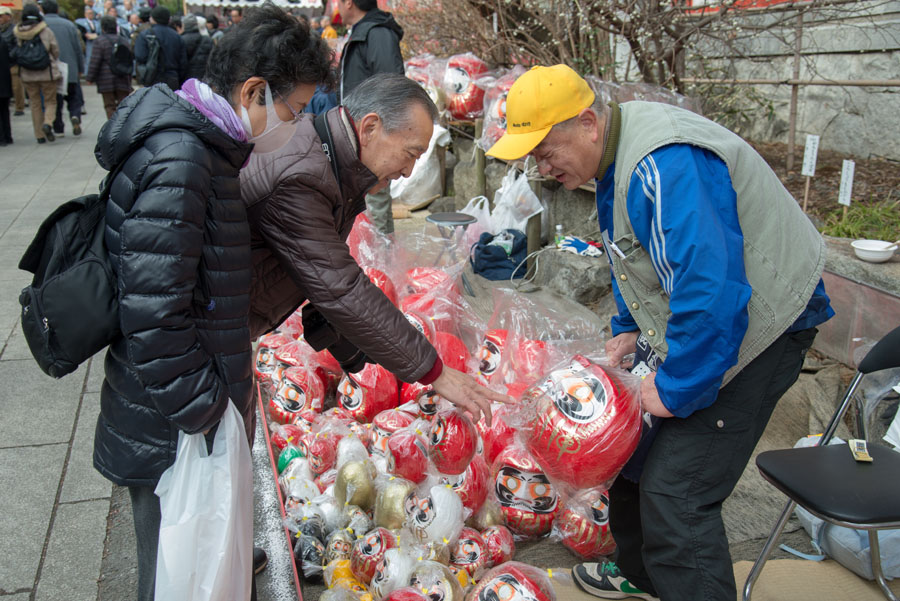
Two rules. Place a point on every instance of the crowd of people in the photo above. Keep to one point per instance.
(90, 50)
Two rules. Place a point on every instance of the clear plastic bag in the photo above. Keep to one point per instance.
(583, 525)
(496, 90)
(516, 578)
(425, 179)
(206, 526)
(582, 422)
(465, 100)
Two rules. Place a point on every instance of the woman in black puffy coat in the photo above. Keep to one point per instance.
(179, 242)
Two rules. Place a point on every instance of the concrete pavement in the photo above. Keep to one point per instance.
(58, 514)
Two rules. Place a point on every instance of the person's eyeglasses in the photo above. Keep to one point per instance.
(290, 108)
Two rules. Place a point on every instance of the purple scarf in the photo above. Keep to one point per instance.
(214, 107)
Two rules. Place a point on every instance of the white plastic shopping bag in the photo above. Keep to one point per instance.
(478, 207)
(514, 203)
(206, 532)
(425, 179)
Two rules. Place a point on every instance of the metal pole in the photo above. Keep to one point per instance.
(480, 180)
(795, 89)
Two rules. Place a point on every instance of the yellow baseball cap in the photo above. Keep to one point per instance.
(540, 98)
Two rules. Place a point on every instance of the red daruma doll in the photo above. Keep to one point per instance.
(513, 581)
(584, 526)
(452, 442)
(490, 353)
(367, 393)
(583, 424)
(299, 390)
(527, 499)
(265, 355)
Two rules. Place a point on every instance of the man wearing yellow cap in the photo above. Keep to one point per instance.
(717, 271)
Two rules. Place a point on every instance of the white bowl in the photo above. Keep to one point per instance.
(874, 251)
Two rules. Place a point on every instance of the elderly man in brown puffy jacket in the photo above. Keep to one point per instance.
(301, 212)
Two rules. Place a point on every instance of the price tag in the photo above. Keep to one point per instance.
(846, 182)
(809, 155)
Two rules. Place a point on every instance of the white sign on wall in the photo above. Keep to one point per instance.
(809, 155)
(846, 182)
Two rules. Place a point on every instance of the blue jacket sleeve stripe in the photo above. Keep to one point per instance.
(649, 175)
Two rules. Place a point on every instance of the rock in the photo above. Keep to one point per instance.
(444, 204)
(583, 279)
(841, 260)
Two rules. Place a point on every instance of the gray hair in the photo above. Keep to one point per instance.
(390, 96)
(599, 107)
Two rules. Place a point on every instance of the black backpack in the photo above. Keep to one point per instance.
(121, 62)
(32, 54)
(149, 71)
(70, 311)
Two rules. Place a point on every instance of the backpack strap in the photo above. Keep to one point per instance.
(324, 131)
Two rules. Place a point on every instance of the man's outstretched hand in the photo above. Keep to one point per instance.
(463, 391)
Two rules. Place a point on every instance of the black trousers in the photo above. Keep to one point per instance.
(5, 128)
(668, 528)
(147, 517)
(75, 102)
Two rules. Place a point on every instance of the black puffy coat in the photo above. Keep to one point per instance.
(373, 47)
(177, 234)
(198, 48)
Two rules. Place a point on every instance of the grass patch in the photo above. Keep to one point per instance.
(872, 220)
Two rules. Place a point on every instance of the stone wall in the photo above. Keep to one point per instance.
(854, 120)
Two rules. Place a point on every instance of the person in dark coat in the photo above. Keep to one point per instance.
(6, 92)
(70, 52)
(373, 47)
(174, 58)
(179, 243)
(197, 46)
(114, 88)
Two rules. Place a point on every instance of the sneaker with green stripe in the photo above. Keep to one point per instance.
(604, 580)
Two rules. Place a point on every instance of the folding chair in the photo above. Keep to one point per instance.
(830, 484)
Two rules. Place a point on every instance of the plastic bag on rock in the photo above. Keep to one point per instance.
(581, 423)
(514, 203)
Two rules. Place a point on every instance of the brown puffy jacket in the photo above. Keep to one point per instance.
(299, 219)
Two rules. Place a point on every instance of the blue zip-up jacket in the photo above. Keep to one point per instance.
(683, 209)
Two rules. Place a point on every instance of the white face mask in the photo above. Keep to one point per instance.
(276, 133)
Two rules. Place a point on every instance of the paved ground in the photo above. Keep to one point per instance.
(66, 531)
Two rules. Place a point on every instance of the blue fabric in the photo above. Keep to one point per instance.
(321, 101)
(683, 210)
(491, 261)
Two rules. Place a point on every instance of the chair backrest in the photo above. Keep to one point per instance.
(884, 355)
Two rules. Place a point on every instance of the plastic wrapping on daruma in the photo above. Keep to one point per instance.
(437, 515)
(465, 100)
(501, 546)
(369, 392)
(368, 551)
(582, 422)
(471, 485)
(470, 553)
(514, 581)
(299, 390)
(583, 525)
(436, 581)
(452, 441)
(392, 572)
(386, 423)
(496, 91)
(527, 499)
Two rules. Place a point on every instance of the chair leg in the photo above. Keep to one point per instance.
(875, 557)
(767, 549)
